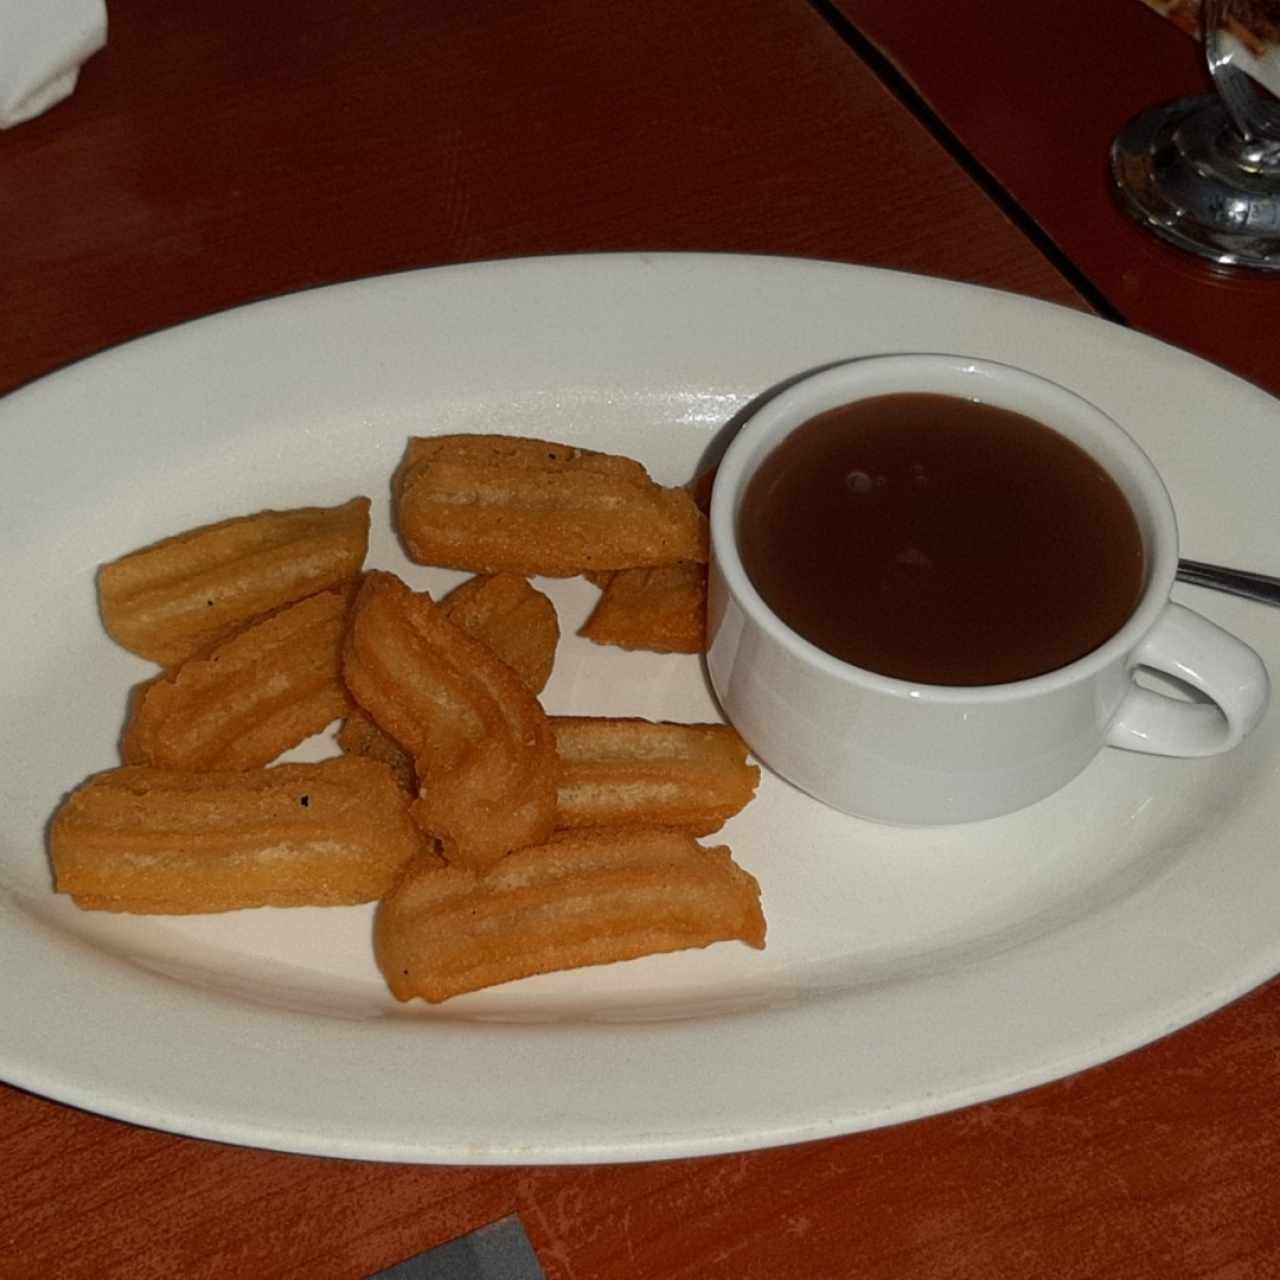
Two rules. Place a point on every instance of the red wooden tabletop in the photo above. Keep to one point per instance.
(213, 154)
(207, 159)
(1033, 96)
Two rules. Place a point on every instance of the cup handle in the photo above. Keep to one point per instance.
(1190, 648)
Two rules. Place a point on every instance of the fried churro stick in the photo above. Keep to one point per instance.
(502, 611)
(245, 701)
(663, 609)
(170, 600)
(155, 841)
(495, 503)
(481, 743)
(517, 622)
(584, 898)
(642, 773)
(619, 772)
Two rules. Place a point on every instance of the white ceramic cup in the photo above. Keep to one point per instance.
(900, 752)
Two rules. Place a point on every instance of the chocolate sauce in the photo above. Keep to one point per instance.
(941, 541)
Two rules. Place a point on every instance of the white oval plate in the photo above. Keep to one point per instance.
(907, 972)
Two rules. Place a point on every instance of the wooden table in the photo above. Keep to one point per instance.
(214, 154)
(1031, 96)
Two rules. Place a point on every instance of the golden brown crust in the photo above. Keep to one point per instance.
(504, 612)
(481, 743)
(619, 772)
(662, 610)
(517, 622)
(584, 898)
(179, 596)
(505, 503)
(159, 841)
(242, 703)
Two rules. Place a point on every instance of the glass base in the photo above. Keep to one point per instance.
(1185, 173)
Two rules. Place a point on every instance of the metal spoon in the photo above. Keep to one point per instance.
(1236, 582)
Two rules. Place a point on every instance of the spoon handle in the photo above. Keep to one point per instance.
(1236, 582)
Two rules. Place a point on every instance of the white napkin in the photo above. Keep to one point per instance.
(42, 44)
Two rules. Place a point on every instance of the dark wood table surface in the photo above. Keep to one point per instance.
(1032, 95)
(214, 154)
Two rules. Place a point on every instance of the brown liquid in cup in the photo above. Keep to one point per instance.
(941, 541)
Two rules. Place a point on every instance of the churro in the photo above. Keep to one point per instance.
(176, 597)
(516, 622)
(508, 503)
(584, 898)
(662, 609)
(159, 841)
(644, 773)
(256, 694)
(481, 744)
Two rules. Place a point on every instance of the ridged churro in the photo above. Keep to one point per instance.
(481, 743)
(242, 703)
(662, 609)
(584, 898)
(155, 841)
(619, 772)
(616, 772)
(514, 504)
(176, 597)
(517, 622)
